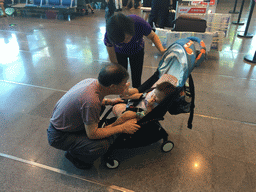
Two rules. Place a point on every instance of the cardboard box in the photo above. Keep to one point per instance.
(162, 34)
(173, 36)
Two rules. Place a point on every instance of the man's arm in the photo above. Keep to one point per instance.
(112, 101)
(127, 115)
(129, 127)
(155, 39)
(129, 92)
(112, 55)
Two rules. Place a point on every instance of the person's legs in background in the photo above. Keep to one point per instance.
(146, 3)
(163, 13)
(139, 4)
(128, 3)
(154, 13)
(90, 7)
(119, 5)
(110, 9)
(2, 7)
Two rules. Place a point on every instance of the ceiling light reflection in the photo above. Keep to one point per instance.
(76, 51)
(102, 32)
(10, 50)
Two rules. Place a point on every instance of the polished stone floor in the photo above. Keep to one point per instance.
(41, 59)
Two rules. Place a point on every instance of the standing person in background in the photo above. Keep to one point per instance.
(110, 9)
(124, 39)
(159, 9)
(146, 3)
(2, 7)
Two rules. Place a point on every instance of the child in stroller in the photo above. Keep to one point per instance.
(175, 68)
(140, 104)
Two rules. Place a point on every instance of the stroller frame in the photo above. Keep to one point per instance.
(151, 130)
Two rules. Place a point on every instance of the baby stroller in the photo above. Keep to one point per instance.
(178, 61)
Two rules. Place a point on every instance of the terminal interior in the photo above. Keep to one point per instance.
(41, 59)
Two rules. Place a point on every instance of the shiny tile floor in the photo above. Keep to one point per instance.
(41, 59)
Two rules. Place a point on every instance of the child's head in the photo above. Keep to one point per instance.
(165, 88)
(160, 92)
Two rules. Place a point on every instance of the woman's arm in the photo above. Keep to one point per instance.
(155, 39)
(112, 55)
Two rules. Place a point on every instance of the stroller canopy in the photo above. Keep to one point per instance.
(180, 59)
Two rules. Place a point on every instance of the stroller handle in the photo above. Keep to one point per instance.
(201, 54)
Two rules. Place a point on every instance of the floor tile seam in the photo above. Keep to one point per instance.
(35, 86)
(13, 31)
(38, 29)
(227, 76)
(234, 51)
(217, 118)
(243, 122)
(63, 172)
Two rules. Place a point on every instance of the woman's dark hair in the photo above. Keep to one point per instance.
(112, 74)
(117, 26)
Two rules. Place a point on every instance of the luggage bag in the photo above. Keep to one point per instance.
(191, 24)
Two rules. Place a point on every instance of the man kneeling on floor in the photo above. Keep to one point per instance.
(74, 122)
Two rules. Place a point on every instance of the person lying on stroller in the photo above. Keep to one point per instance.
(140, 104)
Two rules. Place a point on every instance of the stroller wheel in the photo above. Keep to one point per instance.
(112, 164)
(167, 146)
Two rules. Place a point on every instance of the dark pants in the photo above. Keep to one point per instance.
(136, 64)
(159, 9)
(110, 9)
(78, 144)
